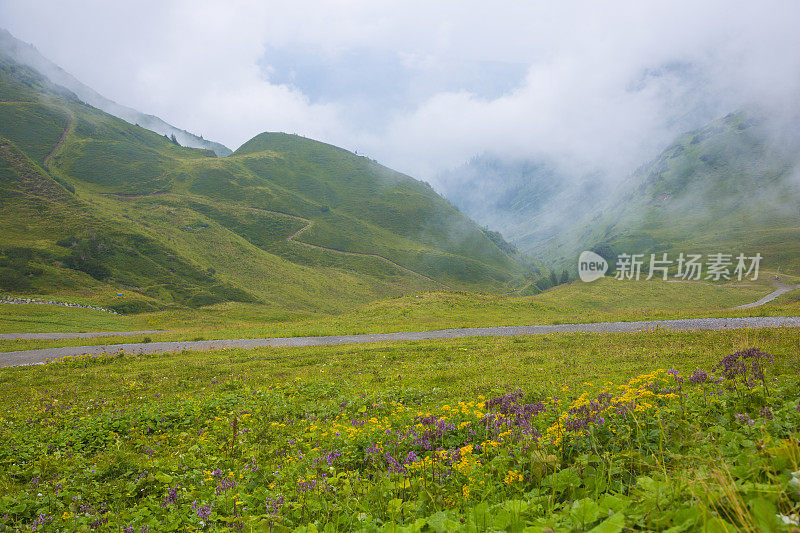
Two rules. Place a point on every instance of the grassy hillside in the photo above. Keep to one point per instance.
(732, 186)
(115, 213)
(26, 54)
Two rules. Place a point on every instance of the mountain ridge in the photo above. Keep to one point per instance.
(295, 225)
(26, 54)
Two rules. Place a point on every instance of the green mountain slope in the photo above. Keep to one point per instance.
(135, 221)
(25, 54)
(732, 186)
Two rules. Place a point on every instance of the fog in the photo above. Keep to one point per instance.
(423, 88)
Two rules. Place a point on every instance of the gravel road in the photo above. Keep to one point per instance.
(31, 357)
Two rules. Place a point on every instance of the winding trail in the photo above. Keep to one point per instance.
(781, 289)
(310, 223)
(31, 357)
(61, 139)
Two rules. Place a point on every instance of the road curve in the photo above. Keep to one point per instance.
(781, 289)
(31, 357)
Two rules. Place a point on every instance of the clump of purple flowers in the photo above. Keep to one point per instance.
(225, 484)
(744, 419)
(305, 486)
(508, 404)
(274, 505)
(395, 466)
(41, 520)
(203, 511)
(329, 457)
(171, 497)
(736, 365)
(99, 522)
(675, 374)
(584, 416)
(435, 430)
(698, 377)
(504, 403)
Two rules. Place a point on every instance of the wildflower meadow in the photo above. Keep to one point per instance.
(708, 447)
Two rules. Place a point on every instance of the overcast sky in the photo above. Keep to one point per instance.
(424, 86)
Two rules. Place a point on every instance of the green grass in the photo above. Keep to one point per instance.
(34, 318)
(108, 438)
(36, 128)
(606, 300)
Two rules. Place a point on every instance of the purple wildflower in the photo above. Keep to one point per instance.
(372, 449)
(698, 377)
(508, 404)
(744, 418)
(395, 466)
(604, 398)
(41, 520)
(328, 457)
(734, 365)
(274, 505)
(99, 522)
(171, 497)
(225, 484)
(203, 511)
(731, 366)
(306, 486)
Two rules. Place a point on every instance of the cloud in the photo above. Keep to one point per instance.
(424, 86)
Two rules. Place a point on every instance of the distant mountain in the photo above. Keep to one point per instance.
(530, 201)
(94, 206)
(26, 54)
(731, 186)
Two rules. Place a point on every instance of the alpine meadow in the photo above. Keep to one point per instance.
(581, 313)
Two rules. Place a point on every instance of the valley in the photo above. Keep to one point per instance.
(290, 336)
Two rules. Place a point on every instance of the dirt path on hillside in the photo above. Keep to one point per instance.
(781, 289)
(60, 140)
(31, 357)
(310, 223)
